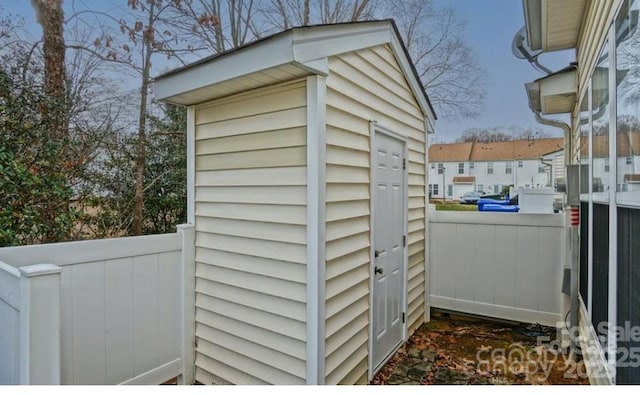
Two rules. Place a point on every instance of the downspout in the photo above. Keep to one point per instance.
(573, 234)
(557, 124)
(548, 165)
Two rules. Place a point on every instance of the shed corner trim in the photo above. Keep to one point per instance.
(316, 238)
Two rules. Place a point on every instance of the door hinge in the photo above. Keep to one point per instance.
(404, 164)
(404, 240)
(403, 317)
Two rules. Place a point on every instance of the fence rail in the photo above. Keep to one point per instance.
(501, 265)
(120, 310)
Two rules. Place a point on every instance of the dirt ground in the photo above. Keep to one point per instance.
(454, 349)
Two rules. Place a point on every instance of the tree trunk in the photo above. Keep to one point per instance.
(50, 16)
(138, 208)
(306, 13)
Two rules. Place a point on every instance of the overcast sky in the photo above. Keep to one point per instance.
(489, 30)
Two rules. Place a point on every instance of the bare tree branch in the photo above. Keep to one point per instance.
(433, 36)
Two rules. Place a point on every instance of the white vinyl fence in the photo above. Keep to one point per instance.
(9, 324)
(97, 312)
(500, 265)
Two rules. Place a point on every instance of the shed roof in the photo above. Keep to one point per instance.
(502, 150)
(293, 53)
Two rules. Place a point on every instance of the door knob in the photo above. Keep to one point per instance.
(378, 270)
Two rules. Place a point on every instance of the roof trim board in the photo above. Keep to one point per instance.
(306, 48)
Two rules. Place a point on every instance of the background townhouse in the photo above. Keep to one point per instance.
(488, 167)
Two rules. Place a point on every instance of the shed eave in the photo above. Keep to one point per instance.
(306, 48)
(265, 77)
(172, 86)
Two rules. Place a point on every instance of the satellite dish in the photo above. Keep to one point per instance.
(521, 50)
(520, 46)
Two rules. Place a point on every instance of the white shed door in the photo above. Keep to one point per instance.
(388, 244)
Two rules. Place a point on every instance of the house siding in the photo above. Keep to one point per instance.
(598, 18)
(363, 86)
(606, 212)
(250, 218)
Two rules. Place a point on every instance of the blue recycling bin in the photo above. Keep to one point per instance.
(483, 201)
(501, 208)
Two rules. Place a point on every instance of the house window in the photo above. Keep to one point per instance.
(480, 188)
(489, 167)
(449, 190)
(472, 165)
(507, 167)
(497, 188)
(600, 126)
(541, 168)
(433, 189)
(627, 110)
(606, 165)
(520, 163)
(440, 168)
(433, 166)
(461, 168)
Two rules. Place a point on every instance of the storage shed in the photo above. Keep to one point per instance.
(307, 172)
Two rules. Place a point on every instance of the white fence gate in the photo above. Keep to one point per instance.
(501, 265)
(97, 312)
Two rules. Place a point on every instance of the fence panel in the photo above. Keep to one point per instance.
(500, 265)
(120, 307)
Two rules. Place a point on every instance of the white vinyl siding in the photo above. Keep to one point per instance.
(598, 15)
(250, 209)
(363, 86)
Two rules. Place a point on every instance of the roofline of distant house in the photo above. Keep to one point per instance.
(473, 144)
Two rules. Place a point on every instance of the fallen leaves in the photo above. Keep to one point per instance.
(446, 351)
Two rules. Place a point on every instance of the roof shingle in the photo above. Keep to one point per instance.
(456, 152)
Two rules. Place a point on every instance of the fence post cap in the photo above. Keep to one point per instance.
(41, 269)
